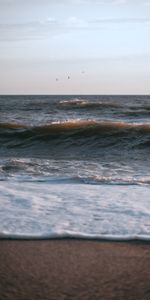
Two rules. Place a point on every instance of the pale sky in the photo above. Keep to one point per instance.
(102, 45)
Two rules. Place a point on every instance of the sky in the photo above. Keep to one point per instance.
(75, 47)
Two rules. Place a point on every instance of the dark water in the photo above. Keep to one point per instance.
(75, 127)
(76, 165)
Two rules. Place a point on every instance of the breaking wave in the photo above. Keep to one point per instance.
(82, 103)
(77, 124)
(80, 134)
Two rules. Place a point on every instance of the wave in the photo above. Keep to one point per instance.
(109, 108)
(11, 126)
(115, 107)
(72, 172)
(74, 236)
(95, 180)
(79, 124)
(82, 103)
(84, 135)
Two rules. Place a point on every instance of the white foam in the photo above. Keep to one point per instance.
(43, 210)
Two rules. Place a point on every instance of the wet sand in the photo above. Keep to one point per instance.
(74, 269)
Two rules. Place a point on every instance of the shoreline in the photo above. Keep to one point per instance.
(74, 269)
(77, 237)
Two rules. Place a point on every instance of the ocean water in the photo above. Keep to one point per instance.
(75, 166)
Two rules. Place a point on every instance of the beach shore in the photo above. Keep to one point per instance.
(74, 269)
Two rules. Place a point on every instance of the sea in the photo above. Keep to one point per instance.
(75, 167)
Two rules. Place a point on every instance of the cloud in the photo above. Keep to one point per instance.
(51, 2)
(119, 2)
(14, 2)
(23, 31)
(40, 29)
(52, 27)
(122, 20)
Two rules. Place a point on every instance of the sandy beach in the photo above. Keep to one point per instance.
(74, 269)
